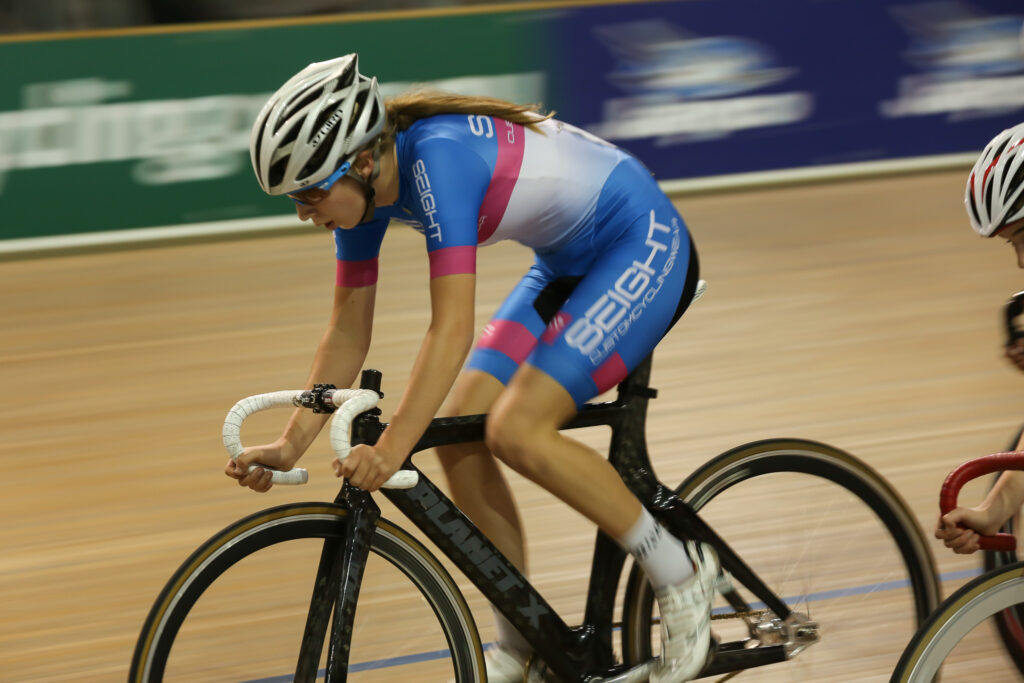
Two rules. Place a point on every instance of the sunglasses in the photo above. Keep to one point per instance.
(318, 191)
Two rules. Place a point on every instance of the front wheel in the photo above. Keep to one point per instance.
(992, 593)
(827, 534)
(237, 609)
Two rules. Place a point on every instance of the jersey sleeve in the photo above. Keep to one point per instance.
(449, 181)
(357, 251)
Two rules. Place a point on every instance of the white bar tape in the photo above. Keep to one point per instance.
(231, 433)
(351, 402)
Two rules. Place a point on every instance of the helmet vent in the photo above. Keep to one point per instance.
(299, 105)
(973, 206)
(348, 76)
(999, 150)
(319, 157)
(276, 171)
(1006, 172)
(1016, 185)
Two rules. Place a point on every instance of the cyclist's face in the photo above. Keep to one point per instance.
(1014, 234)
(340, 206)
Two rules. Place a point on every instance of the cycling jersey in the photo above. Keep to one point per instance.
(590, 211)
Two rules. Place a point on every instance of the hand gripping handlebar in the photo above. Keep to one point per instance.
(349, 404)
(972, 469)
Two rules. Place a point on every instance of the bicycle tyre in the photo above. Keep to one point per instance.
(798, 462)
(1009, 622)
(971, 604)
(304, 522)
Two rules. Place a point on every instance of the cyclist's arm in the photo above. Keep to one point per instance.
(338, 359)
(1003, 500)
(440, 358)
(959, 529)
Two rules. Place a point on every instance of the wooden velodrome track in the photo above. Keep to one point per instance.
(864, 314)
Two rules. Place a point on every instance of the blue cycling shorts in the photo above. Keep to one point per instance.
(588, 330)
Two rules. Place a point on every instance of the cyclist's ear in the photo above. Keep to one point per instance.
(363, 163)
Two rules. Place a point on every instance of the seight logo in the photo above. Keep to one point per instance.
(427, 202)
(606, 320)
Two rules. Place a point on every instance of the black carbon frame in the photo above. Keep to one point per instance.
(572, 653)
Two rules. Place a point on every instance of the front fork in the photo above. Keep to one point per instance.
(336, 588)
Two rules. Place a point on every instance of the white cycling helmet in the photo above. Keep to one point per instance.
(314, 125)
(995, 188)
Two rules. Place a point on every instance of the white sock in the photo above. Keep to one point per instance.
(662, 557)
(509, 638)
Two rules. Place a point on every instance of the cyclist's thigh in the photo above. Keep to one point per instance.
(474, 393)
(513, 332)
(634, 292)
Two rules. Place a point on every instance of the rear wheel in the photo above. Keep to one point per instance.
(826, 533)
(236, 610)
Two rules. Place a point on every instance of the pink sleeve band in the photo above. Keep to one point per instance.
(452, 261)
(357, 273)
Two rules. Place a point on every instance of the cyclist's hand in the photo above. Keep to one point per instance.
(368, 466)
(271, 455)
(1015, 352)
(959, 529)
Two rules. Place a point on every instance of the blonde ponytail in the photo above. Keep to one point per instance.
(405, 109)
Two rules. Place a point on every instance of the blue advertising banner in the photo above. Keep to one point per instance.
(708, 87)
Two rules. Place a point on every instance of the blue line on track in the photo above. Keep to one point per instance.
(810, 597)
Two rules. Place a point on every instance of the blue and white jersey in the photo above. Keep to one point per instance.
(615, 266)
(475, 180)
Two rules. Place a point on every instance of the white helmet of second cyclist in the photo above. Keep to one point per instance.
(315, 123)
(995, 188)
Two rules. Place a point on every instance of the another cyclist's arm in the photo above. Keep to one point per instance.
(440, 358)
(338, 359)
(960, 528)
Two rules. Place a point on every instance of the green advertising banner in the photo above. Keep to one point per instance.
(134, 130)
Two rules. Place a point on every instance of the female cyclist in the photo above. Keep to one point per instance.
(995, 205)
(614, 269)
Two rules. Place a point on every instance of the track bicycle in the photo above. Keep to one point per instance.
(1010, 622)
(825, 569)
(994, 593)
(999, 591)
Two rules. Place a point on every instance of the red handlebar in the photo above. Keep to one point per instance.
(972, 469)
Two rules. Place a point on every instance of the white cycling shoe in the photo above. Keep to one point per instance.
(505, 667)
(686, 619)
